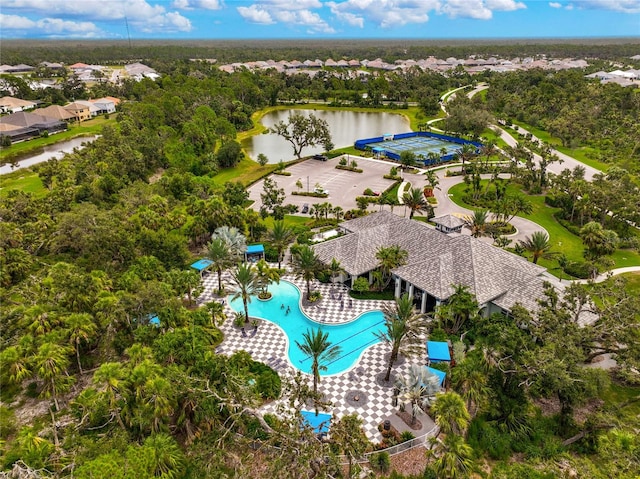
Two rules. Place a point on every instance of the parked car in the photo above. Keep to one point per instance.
(320, 157)
(305, 208)
(321, 191)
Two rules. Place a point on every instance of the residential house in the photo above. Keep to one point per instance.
(29, 125)
(9, 104)
(104, 105)
(80, 111)
(56, 112)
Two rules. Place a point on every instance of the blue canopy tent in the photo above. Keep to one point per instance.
(202, 265)
(254, 253)
(441, 374)
(438, 351)
(319, 424)
(378, 152)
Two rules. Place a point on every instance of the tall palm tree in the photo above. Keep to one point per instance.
(477, 223)
(321, 351)
(338, 211)
(82, 329)
(451, 414)
(404, 327)
(219, 252)
(415, 201)
(280, 237)
(466, 153)
(112, 377)
(306, 265)
(390, 257)
(419, 387)
(51, 364)
(246, 285)
(538, 245)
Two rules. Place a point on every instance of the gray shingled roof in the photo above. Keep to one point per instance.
(448, 221)
(436, 261)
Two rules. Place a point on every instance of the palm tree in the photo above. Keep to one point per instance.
(306, 265)
(418, 387)
(50, 364)
(404, 327)
(450, 413)
(465, 154)
(432, 179)
(538, 245)
(347, 434)
(168, 460)
(338, 211)
(390, 257)
(111, 376)
(414, 199)
(477, 223)
(469, 378)
(221, 257)
(280, 236)
(81, 328)
(321, 351)
(455, 457)
(266, 275)
(236, 241)
(246, 285)
(335, 269)
(461, 307)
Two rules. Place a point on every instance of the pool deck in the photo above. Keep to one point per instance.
(269, 344)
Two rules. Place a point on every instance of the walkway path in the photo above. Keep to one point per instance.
(614, 272)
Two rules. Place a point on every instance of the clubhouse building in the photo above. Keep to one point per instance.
(437, 261)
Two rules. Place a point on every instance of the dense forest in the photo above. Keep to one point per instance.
(90, 387)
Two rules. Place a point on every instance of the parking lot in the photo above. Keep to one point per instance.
(343, 186)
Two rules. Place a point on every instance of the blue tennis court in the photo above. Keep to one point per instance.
(428, 147)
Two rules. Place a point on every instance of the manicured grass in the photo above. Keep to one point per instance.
(382, 295)
(560, 238)
(89, 127)
(489, 134)
(289, 220)
(23, 180)
(247, 172)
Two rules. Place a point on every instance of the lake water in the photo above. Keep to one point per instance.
(345, 126)
(46, 153)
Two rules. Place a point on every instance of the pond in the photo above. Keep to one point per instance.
(345, 126)
(46, 153)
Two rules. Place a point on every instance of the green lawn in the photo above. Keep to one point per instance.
(581, 154)
(90, 127)
(562, 240)
(23, 180)
(289, 220)
(247, 172)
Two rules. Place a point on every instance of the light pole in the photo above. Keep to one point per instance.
(307, 184)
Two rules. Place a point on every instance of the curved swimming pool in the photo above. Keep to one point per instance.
(353, 337)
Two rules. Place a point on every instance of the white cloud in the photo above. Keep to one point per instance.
(140, 13)
(15, 22)
(555, 5)
(193, 4)
(466, 8)
(255, 14)
(624, 6)
(297, 12)
(504, 5)
(384, 13)
(49, 26)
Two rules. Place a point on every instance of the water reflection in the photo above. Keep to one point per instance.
(345, 126)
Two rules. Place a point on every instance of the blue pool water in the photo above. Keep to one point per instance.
(353, 337)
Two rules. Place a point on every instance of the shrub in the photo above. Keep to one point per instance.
(315, 296)
(380, 461)
(238, 319)
(269, 384)
(368, 192)
(579, 269)
(361, 285)
(406, 436)
(343, 162)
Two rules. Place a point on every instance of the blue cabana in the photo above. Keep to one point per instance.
(319, 423)
(438, 351)
(202, 265)
(254, 252)
(155, 320)
(441, 374)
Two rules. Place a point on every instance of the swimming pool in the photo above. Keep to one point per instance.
(353, 337)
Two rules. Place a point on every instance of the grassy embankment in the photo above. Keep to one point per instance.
(561, 239)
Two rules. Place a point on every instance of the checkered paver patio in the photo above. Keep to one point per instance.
(269, 344)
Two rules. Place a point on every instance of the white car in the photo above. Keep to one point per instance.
(321, 191)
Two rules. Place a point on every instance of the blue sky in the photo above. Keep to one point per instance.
(238, 19)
